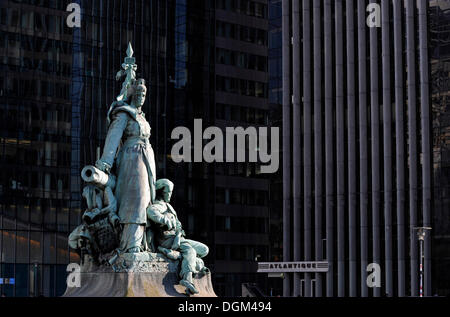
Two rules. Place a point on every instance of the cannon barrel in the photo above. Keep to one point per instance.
(91, 174)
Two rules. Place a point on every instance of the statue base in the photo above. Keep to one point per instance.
(136, 275)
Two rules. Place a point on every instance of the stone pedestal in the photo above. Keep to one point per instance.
(136, 275)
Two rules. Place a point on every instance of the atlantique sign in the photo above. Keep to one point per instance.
(280, 267)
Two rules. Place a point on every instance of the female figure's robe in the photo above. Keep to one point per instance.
(135, 170)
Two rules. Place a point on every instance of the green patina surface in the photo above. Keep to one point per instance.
(126, 205)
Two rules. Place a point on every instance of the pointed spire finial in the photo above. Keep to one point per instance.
(130, 51)
(129, 68)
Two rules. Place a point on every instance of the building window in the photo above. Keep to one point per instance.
(227, 223)
(242, 114)
(220, 195)
(242, 33)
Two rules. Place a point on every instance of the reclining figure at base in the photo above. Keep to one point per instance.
(170, 237)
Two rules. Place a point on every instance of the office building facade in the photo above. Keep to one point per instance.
(57, 83)
(439, 16)
(242, 196)
(357, 140)
(201, 60)
(38, 148)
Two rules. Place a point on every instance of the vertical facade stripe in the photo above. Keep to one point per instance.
(426, 137)
(363, 145)
(412, 136)
(400, 144)
(329, 155)
(307, 128)
(296, 133)
(375, 147)
(351, 127)
(318, 137)
(340, 146)
(387, 145)
(286, 142)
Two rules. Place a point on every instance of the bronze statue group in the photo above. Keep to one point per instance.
(128, 209)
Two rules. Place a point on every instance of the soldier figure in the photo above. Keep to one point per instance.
(170, 236)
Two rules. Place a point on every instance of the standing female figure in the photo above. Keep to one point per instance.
(127, 146)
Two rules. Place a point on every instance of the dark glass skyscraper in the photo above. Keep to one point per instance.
(241, 204)
(56, 84)
(201, 60)
(38, 145)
